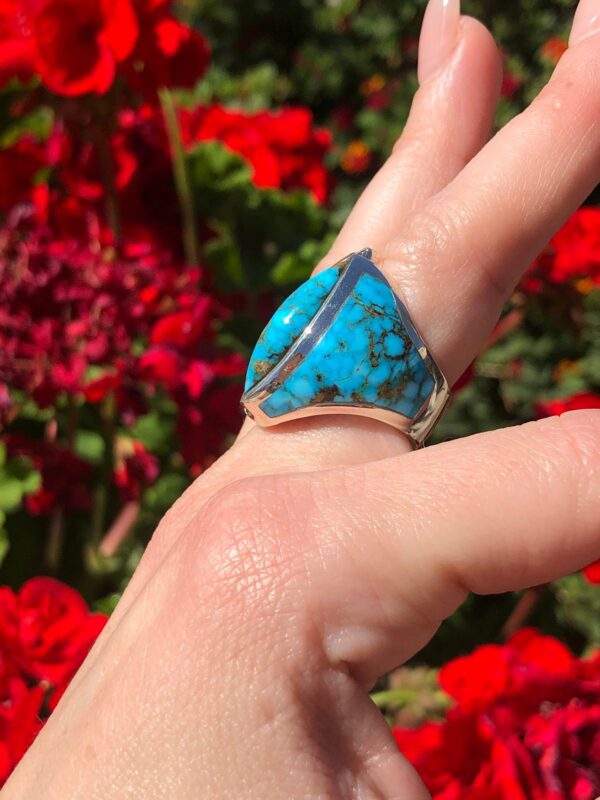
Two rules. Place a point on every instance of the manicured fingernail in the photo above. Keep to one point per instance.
(586, 22)
(439, 36)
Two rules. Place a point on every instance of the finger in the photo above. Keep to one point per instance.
(456, 261)
(408, 537)
(450, 120)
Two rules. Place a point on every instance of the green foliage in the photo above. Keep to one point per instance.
(579, 607)
(258, 231)
(18, 478)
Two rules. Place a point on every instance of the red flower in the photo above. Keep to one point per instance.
(97, 390)
(19, 165)
(526, 725)
(183, 328)
(20, 707)
(64, 475)
(74, 45)
(478, 679)
(592, 572)
(159, 365)
(283, 149)
(139, 470)
(167, 53)
(552, 408)
(572, 254)
(510, 85)
(202, 427)
(46, 631)
(554, 49)
(355, 158)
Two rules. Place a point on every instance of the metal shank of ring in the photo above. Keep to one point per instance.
(417, 427)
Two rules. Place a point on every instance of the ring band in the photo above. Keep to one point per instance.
(343, 343)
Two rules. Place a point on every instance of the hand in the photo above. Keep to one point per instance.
(316, 556)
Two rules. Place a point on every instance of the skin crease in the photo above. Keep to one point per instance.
(314, 557)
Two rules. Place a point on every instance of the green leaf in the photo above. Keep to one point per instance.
(165, 491)
(89, 445)
(156, 431)
(32, 482)
(224, 255)
(579, 605)
(296, 267)
(213, 166)
(107, 604)
(11, 493)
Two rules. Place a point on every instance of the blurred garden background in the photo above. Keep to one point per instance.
(168, 173)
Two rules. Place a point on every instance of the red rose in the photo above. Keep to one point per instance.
(46, 630)
(74, 45)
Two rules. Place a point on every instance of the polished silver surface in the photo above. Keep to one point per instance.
(418, 428)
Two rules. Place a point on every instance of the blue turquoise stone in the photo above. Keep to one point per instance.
(365, 357)
(287, 324)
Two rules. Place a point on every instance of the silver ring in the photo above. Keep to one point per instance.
(344, 343)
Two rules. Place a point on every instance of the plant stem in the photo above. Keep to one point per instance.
(104, 486)
(120, 529)
(181, 177)
(56, 540)
(392, 697)
(521, 611)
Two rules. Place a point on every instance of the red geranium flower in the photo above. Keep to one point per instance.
(138, 470)
(525, 725)
(572, 254)
(552, 408)
(46, 630)
(167, 53)
(18, 167)
(283, 148)
(20, 707)
(74, 45)
(64, 475)
(592, 572)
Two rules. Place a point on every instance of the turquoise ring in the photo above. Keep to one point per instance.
(344, 343)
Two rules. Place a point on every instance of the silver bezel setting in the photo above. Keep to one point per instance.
(418, 428)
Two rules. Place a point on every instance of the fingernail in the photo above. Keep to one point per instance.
(439, 36)
(586, 22)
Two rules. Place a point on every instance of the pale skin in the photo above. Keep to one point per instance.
(312, 558)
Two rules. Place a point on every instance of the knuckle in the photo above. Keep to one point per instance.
(581, 430)
(572, 444)
(573, 94)
(247, 554)
(426, 234)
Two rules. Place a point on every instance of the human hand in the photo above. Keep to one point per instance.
(316, 556)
